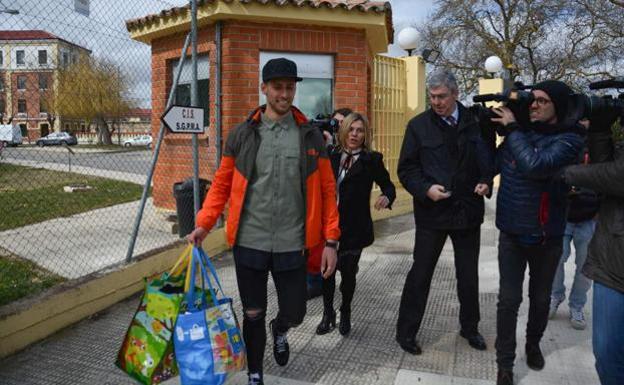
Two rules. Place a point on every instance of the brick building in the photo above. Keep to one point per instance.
(333, 43)
(29, 65)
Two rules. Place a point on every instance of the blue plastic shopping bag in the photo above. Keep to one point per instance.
(207, 340)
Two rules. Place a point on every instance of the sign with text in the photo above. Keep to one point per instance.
(182, 119)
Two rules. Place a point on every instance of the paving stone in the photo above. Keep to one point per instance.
(84, 354)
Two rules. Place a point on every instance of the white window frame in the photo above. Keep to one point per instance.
(45, 51)
(25, 106)
(17, 82)
(316, 66)
(47, 81)
(23, 63)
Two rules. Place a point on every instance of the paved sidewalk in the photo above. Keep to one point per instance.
(90, 171)
(98, 239)
(84, 353)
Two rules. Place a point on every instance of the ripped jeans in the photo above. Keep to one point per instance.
(290, 286)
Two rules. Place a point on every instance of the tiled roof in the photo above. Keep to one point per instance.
(27, 35)
(350, 5)
(139, 113)
(33, 34)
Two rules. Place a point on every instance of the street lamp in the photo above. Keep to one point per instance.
(430, 55)
(10, 11)
(408, 39)
(493, 64)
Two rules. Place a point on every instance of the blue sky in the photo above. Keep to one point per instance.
(406, 13)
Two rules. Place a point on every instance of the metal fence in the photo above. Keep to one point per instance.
(75, 97)
(389, 107)
(73, 74)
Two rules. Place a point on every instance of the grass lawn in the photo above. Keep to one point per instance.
(31, 195)
(19, 278)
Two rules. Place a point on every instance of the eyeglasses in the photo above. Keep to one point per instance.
(542, 101)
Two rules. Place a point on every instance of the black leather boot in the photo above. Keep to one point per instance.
(327, 324)
(504, 377)
(345, 323)
(534, 356)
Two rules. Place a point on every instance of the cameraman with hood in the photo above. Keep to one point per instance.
(605, 262)
(531, 217)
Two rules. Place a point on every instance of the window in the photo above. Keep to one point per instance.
(64, 58)
(19, 57)
(43, 81)
(183, 91)
(43, 107)
(21, 106)
(2, 106)
(1, 82)
(314, 94)
(1, 58)
(21, 82)
(43, 57)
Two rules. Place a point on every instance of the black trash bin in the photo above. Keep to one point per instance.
(183, 194)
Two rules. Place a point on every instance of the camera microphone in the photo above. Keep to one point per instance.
(610, 83)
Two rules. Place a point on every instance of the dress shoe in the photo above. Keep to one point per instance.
(534, 357)
(504, 377)
(281, 349)
(410, 346)
(345, 323)
(327, 324)
(475, 340)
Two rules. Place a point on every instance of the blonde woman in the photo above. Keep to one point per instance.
(356, 167)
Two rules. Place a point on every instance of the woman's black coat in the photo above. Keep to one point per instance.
(356, 224)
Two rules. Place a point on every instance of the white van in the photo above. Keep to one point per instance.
(10, 135)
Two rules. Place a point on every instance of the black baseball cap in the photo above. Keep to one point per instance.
(280, 68)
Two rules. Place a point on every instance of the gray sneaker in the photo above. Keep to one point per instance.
(554, 305)
(577, 319)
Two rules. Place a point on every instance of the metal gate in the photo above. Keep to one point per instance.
(389, 102)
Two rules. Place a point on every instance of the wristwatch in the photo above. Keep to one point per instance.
(332, 244)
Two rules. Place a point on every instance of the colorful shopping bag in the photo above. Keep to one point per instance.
(208, 342)
(147, 350)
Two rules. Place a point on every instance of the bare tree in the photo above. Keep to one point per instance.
(536, 39)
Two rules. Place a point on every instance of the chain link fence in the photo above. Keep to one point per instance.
(76, 136)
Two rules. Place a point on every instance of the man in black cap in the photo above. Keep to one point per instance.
(531, 217)
(278, 180)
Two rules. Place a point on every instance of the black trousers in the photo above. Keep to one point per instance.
(348, 267)
(290, 286)
(427, 249)
(513, 258)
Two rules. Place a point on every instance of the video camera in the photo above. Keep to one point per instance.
(327, 124)
(516, 98)
(598, 108)
(604, 109)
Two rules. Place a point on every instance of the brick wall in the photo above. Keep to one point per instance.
(241, 44)
(32, 95)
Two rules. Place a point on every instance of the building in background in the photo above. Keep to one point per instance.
(30, 61)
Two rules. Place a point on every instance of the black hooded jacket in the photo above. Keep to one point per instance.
(605, 261)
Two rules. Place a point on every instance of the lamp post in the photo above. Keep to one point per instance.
(493, 65)
(494, 84)
(10, 11)
(408, 39)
